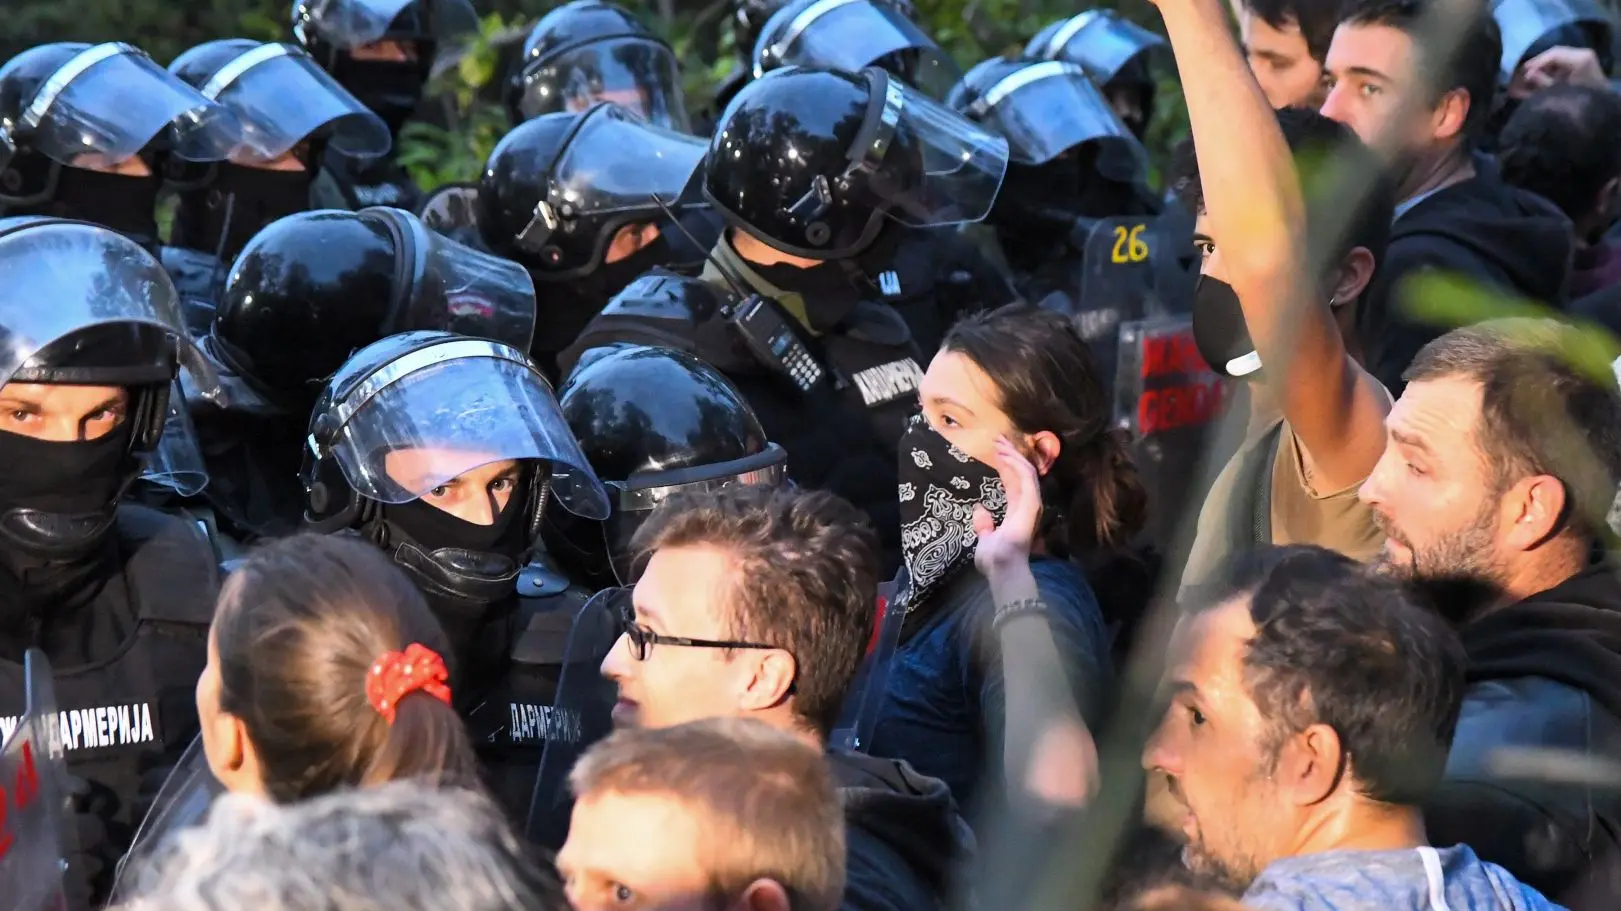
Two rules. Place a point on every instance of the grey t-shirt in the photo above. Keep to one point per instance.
(1416, 879)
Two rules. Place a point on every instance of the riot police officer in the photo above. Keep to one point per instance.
(442, 450)
(651, 421)
(1118, 54)
(303, 295)
(588, 51)
(587, 202)
(852, 36)
(118, 596)
(382, 51)
(1071, 162)
(87, 132)
(827, 182)
(291, 112)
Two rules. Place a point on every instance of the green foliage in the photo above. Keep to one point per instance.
(463, 122)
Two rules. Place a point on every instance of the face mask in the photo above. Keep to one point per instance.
(825, 290)
(251, 197)
(57, 500)
(1219, 329)
(391, 90)
(940, 486)
(125, 204)
(455, 558)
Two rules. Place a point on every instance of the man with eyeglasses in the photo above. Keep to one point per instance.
(757, 602)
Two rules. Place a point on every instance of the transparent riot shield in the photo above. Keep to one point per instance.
(33, 799)
(582, 713)
(181, 803)
(451, 211)
(1168, 399)
(862, 704)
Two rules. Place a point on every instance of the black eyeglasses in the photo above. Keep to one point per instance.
(643, 639)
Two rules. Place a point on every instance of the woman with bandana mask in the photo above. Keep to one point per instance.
(87, 131)
(291, 114)
(1011, 397)
(443, 451)
(117, 596)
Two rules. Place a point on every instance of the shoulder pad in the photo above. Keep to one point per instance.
(665, 310)
(665, 295)
(545, 626)
(185, 261)
(169, 564)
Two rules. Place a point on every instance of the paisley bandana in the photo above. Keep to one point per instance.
(940, 485)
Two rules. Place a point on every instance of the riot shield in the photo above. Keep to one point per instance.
(182, 802)
(451, 211)
(867, 700)
(1168, 399)
(582, 712)
(33, 799)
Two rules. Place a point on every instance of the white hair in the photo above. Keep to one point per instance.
(400, 846)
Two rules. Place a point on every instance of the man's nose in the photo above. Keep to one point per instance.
(614, 666)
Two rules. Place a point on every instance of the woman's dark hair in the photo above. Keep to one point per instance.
(298, 627)
(1047, 380)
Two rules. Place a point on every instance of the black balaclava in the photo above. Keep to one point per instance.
(466, 572)
(237, 204)
(121, 202)
(570, 304)
(57, 505)
(391, 89)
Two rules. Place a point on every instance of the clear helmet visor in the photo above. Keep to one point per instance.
(1524, 23)
(637, 74)
(459, 289)
(176, 463)
(61, 279)
(352, 23)
(440, 412)
(183, 801)
(927, 165)
(111, 101)
(281, 97)
(850, 35)
(1048, 108)
(1100, 42)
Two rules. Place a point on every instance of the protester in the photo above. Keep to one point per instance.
(1503, 460)
(1317, 423)
(1454, 212)
(396, 847)
(746, 816)
(1286, 42)
(1564, 144)
(757, 602)
(1012, 398)
(324, 671)
(1310, 711)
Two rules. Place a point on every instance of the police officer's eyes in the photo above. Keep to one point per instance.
(500, 484)
(439, 491)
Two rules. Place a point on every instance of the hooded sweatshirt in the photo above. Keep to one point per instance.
(1411, 879)
(903, 835)
(1543, 674)
(1480, 228)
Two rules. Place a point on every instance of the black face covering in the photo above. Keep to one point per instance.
(236, 205)
(57, 504)
(125, 204)
(392, 90)
(825, 289)
(1219, 329)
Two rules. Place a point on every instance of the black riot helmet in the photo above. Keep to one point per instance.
(652, 421)
(851, 35)
(409, 414)
(85, 306)
(748, 18)
(1118, 54)
(1530, 27)
(332, 30)
(812, 162)
(557, 188)
(287, 106)
(314, 287)
(589, 51)
(69, 112)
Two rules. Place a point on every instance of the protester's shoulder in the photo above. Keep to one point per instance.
(1340, 881)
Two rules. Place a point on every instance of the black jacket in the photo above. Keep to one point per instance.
(1482, 229)
(1543, 674)
(903, 835)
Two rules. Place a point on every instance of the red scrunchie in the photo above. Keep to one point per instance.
(395, 675)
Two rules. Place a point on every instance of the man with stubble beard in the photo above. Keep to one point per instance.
(1501, 462)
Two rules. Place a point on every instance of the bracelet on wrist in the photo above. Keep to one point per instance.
(1020, 608)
